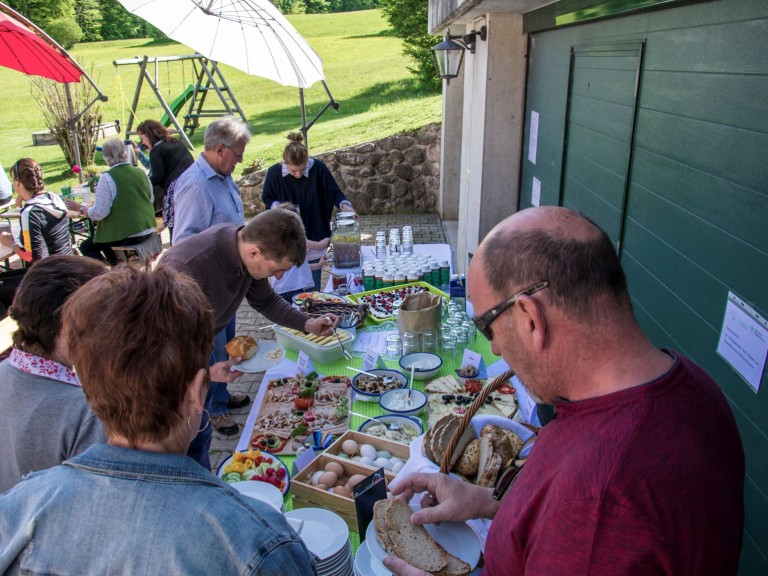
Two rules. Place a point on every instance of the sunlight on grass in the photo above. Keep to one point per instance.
(364, 69)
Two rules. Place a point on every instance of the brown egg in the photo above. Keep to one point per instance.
(328, 478)
(349, 447)
(354, 479)
(341, 491)
(322, 487)
(335, 467)
(341, 481)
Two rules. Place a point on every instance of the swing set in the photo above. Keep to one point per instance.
(207, 78)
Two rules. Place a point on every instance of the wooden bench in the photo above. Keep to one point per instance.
(145, 251)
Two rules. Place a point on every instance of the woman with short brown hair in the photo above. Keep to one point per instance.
(140, 341)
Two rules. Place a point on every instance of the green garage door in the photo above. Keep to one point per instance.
(602, 93)
(694, 185)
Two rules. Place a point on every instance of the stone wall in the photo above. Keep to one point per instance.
(395, 175)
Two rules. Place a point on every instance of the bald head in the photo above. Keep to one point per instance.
(561, 246)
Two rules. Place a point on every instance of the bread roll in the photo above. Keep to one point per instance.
(242, 346)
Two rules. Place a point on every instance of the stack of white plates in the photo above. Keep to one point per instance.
(326, 535)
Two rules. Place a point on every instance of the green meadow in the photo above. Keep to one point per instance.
(364, 69)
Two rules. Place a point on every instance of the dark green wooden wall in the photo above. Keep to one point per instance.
(696, 219)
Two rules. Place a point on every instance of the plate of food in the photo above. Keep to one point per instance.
(257, 355)
(255, 465)
(315, 296)
(451, 547)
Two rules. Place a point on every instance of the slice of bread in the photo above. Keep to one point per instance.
(456, 567)
(410, 542)
(468, 463)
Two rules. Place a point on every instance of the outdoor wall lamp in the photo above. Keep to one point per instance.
(449, 53)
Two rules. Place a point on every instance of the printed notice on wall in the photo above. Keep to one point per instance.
(533, 137)
(744, 340)
(536, 192)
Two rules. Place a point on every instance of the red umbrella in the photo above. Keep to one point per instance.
(23, 47)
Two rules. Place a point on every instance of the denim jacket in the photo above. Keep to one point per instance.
(119, 511)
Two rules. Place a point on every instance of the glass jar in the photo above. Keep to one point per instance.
(345, 237)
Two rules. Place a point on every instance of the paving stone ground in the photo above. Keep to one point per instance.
(427, 229)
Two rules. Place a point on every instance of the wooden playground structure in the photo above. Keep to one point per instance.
(208, 77)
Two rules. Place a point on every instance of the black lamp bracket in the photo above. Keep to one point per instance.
(470, 38)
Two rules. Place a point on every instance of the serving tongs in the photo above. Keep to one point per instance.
(380, 377)
(347, 355)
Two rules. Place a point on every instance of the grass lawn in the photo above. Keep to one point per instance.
(364, 69)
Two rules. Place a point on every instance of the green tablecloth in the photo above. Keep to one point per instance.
(339, 368)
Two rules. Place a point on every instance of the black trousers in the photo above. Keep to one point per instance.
(103, 250)
(9, 282)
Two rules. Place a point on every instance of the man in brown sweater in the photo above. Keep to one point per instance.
(232, 262)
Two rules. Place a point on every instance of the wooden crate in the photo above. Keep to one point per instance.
(307, 496)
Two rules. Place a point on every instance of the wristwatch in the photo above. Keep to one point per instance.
(84, 211)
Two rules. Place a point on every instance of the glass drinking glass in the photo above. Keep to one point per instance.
(449, 349)
(393, 347)
(429, 341)
(410, 342)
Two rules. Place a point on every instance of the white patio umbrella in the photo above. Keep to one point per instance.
(250, 35)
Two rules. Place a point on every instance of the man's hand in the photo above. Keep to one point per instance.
(322, 326)
(401, 567)
(6, 239)
(220, 372)
(446, 498)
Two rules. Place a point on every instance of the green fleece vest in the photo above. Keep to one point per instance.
(131, 212)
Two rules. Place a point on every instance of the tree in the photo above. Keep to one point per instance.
(88, 17)
(51, 98)
(65, 31)
(409, 20)
(41, 12)
(118, 23)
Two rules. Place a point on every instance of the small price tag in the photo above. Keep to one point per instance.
(472, 358)
(370, 359)
(304, 363)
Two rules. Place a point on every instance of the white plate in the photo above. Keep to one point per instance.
(366, 565)
(260, 491)
(286, 479)
(260, 362)
(456, 537)
(324, 532)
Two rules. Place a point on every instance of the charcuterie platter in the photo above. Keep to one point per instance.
(296, 406)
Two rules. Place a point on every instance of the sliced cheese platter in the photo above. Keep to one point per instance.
(446, 395)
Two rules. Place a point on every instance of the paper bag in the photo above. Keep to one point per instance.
(419, 312)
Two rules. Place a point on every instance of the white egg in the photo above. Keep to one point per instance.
(366, 461)
(368, 450)
(397, 466)
(344, 456)
(316, 477)
(383, 454)
(383, 463)
(355, 458)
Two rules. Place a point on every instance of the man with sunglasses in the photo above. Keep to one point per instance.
(642, 469)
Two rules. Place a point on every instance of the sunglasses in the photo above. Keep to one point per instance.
(483, 321)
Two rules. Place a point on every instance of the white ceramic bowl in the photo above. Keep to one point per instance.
(402, 421)
(427, 365)
(391, 401)
(366, 396)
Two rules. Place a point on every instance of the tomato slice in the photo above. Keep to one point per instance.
(505, 389)
(473, 385)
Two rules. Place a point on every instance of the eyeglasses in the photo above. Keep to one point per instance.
(238, 156)
(483, 321)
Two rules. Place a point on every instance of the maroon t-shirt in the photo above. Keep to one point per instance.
(644, 481)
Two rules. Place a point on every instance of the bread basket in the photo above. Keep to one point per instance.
(471, 410)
